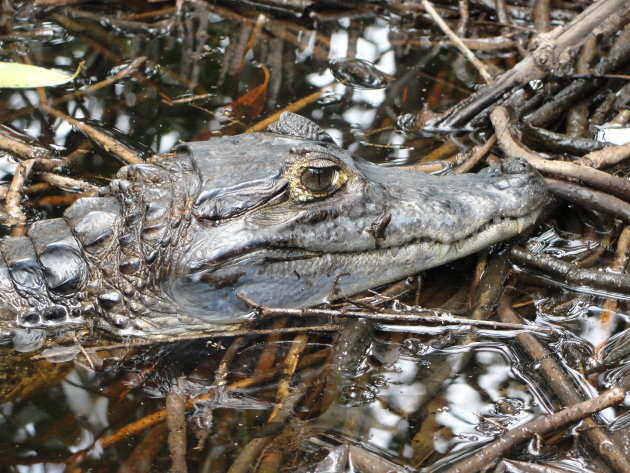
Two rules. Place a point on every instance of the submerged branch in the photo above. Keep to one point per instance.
(542, 425)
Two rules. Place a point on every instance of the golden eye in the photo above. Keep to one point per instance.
(320, 180)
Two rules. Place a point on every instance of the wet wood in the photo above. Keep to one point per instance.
(600, 180)
(567, 388)
(573, 275)
(543, 425)
(108, 143)
(609, 14)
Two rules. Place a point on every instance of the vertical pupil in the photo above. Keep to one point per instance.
(318, 179)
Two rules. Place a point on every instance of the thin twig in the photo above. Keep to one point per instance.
(459, 44)
(176, 422)
(108, 143)
(477, 155)
(443, 318)
(14, 194)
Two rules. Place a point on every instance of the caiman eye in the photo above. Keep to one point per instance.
(314, 175)
(320, 180)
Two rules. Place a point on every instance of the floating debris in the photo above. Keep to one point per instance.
(359, 73)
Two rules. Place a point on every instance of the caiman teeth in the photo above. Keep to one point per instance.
(520, 224)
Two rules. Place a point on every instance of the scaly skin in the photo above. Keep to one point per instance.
(283, 217)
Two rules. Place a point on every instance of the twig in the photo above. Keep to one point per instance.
(443, 319)
(23, 150)
(14, 194)
(65, 182)
(85, 354)
(464, 16)
(590, 199)
(176, 422)
(478, 154)
(542, 16)
(540, 426)
(459, 44)
(290, 364)
(606, 157)
(108, 143)
(570, 273)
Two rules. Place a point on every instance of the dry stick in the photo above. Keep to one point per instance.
(540, 426)
(593, 177)
(606, 157)
(459, 44)
(565, 389)
(502, 13)
(108, 143)
(590, 199)
(14, 194)
(545, 58)
(571, 273)
(577, 116)
(478, 154)
(292, 107)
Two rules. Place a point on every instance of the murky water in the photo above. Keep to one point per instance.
(399, 397)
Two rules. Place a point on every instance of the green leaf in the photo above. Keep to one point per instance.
(15, 75)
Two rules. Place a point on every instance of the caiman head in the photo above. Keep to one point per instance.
(289, 219)
(285, 218)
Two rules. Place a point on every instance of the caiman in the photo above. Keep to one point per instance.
(284, 217)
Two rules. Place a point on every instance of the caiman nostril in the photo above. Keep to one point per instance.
(515, 166)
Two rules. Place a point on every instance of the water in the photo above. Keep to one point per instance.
(400, 397)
